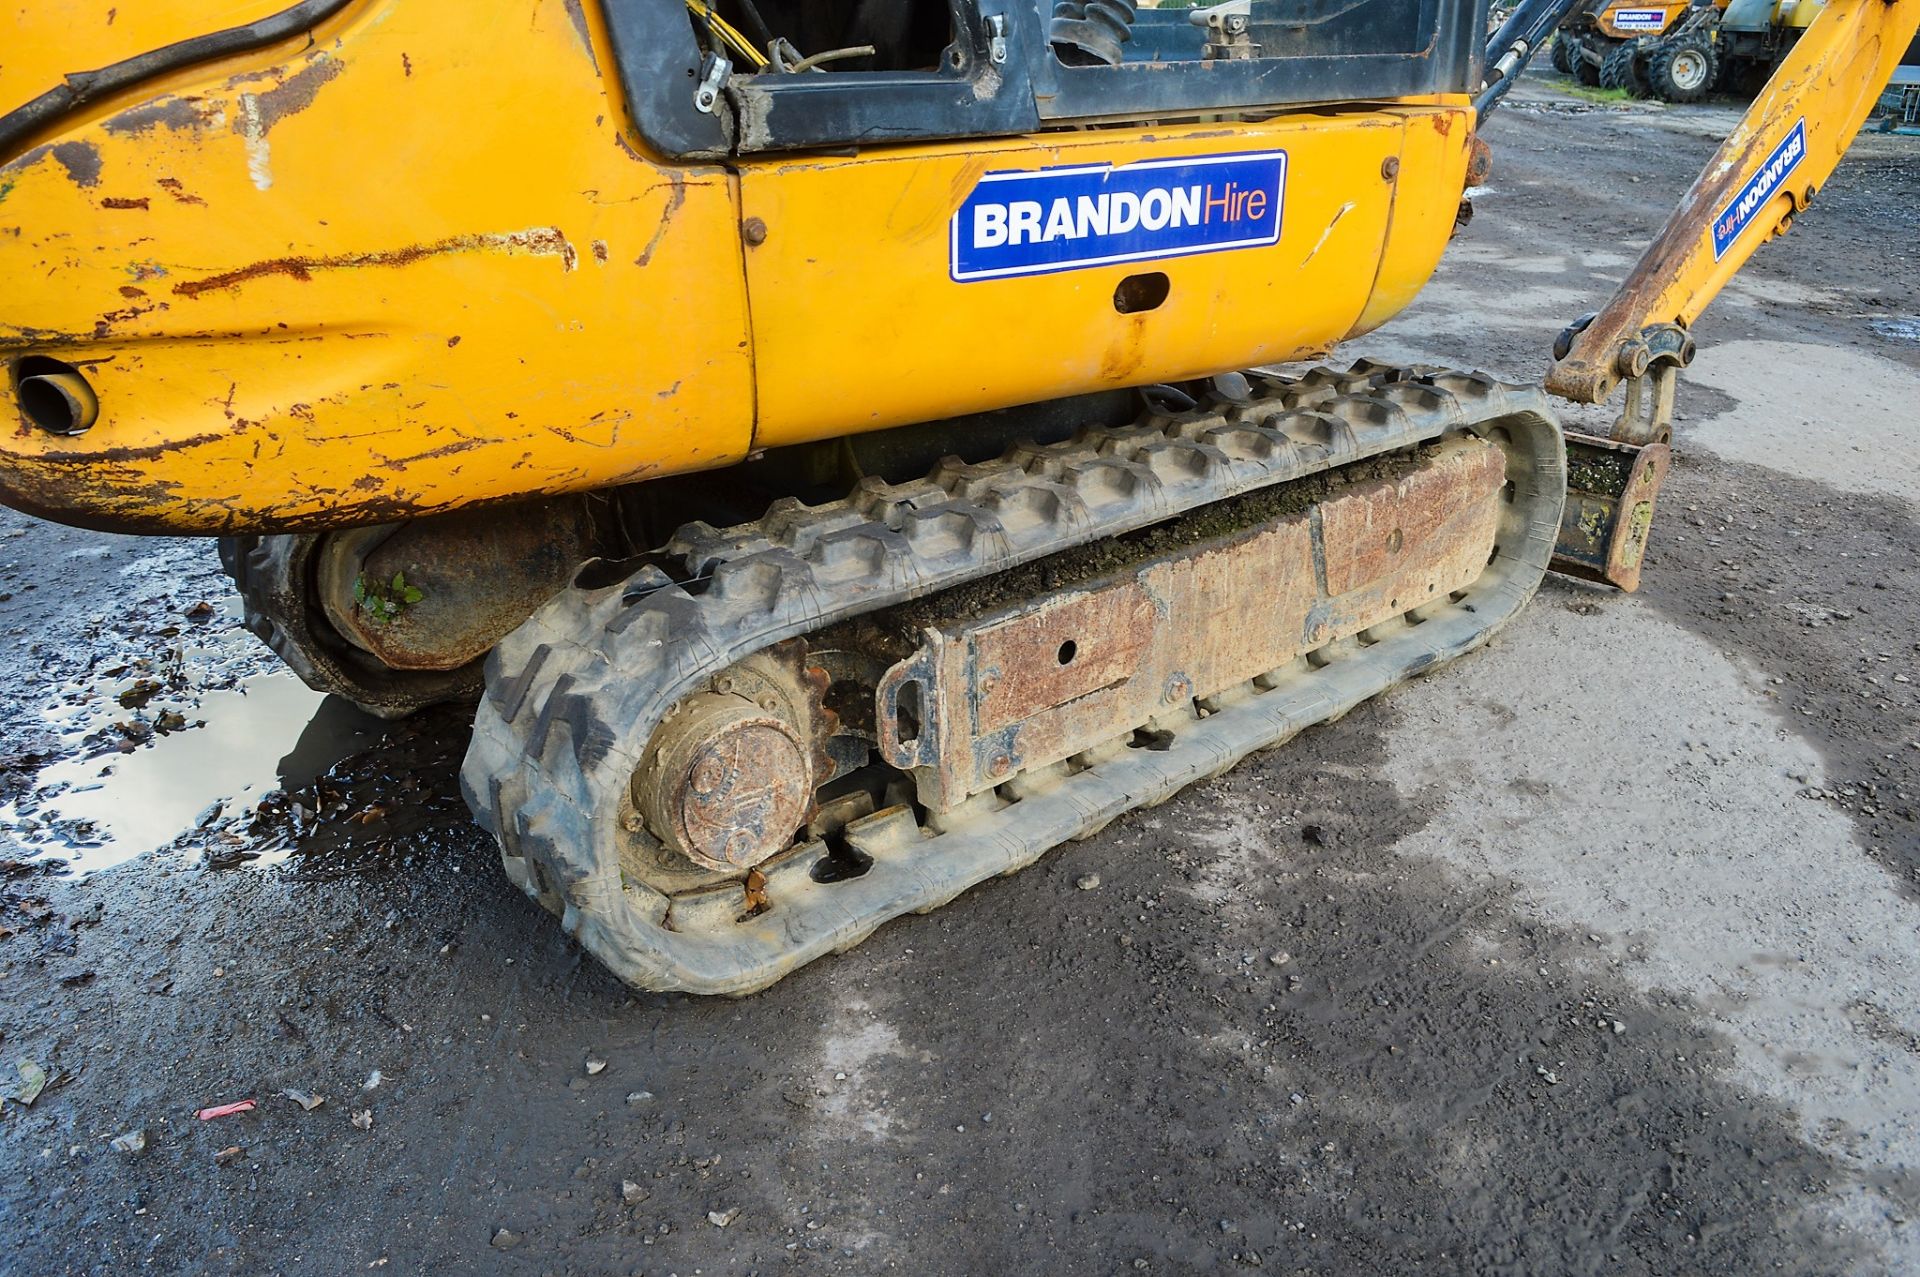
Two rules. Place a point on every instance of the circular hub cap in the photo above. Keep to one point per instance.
(726, 784)
(1689, 70)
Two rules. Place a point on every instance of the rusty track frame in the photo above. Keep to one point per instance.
(1041, 680)
(575, 693)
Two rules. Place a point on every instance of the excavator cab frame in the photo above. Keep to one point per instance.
(1011, 69)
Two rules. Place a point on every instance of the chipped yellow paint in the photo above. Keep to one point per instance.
(418, 263)
(358, 280)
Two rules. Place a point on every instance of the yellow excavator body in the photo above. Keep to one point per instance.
(397, 266)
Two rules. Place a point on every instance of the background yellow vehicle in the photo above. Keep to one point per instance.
(1607, 42)
(1736, 44)
(1681, 52)
(815, 430)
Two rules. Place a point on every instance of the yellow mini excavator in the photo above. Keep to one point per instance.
(813, 428)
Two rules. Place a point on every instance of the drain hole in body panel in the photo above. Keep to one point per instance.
(1138, 293)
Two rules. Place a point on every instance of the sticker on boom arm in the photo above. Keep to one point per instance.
(1761, 187)
(1639, 19)
(1033, 222)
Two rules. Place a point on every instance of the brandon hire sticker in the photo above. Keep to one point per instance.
(1639, 19)
(1030, 222)
(1739, 211)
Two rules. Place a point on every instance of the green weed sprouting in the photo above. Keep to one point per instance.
(384, 603)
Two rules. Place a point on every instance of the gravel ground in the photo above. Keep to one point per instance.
(1591, 954)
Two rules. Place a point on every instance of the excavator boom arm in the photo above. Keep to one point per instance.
(1764, 174)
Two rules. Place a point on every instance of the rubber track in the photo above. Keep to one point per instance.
(574, 694)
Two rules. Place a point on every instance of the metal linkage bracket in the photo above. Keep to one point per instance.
(1646, 416)
(1227, 26)
(1613, 483)
(1650, 364)
(715, 71)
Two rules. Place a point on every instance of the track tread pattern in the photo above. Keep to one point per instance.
(574, 694)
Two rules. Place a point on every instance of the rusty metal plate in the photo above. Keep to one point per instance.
(1229, 609)
(1062, 650)
(1038, 682)
(1430, 515)
(1122, 662)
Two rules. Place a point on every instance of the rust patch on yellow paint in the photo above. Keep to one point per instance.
(79, 159)
(297, 92)
(545, 241)
(444, 450)
(103, 327)
(176, 188)
(1125, 356)
(120, 455)
(112, 202)
(174, 113)
(677, 198)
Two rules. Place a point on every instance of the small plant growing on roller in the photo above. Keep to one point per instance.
(385, 603)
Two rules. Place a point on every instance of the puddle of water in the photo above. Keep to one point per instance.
(269, 732)
(193, 664)
(1902, 328)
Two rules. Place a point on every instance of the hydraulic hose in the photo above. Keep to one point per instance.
(1518, 39)
(80, 87)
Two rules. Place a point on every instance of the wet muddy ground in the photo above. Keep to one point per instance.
(1592, 954)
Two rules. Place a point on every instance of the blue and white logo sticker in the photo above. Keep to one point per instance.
(1639, 19)
(1741, 209)
(1033, 222)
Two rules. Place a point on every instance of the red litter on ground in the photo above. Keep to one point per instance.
(225, 1110)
